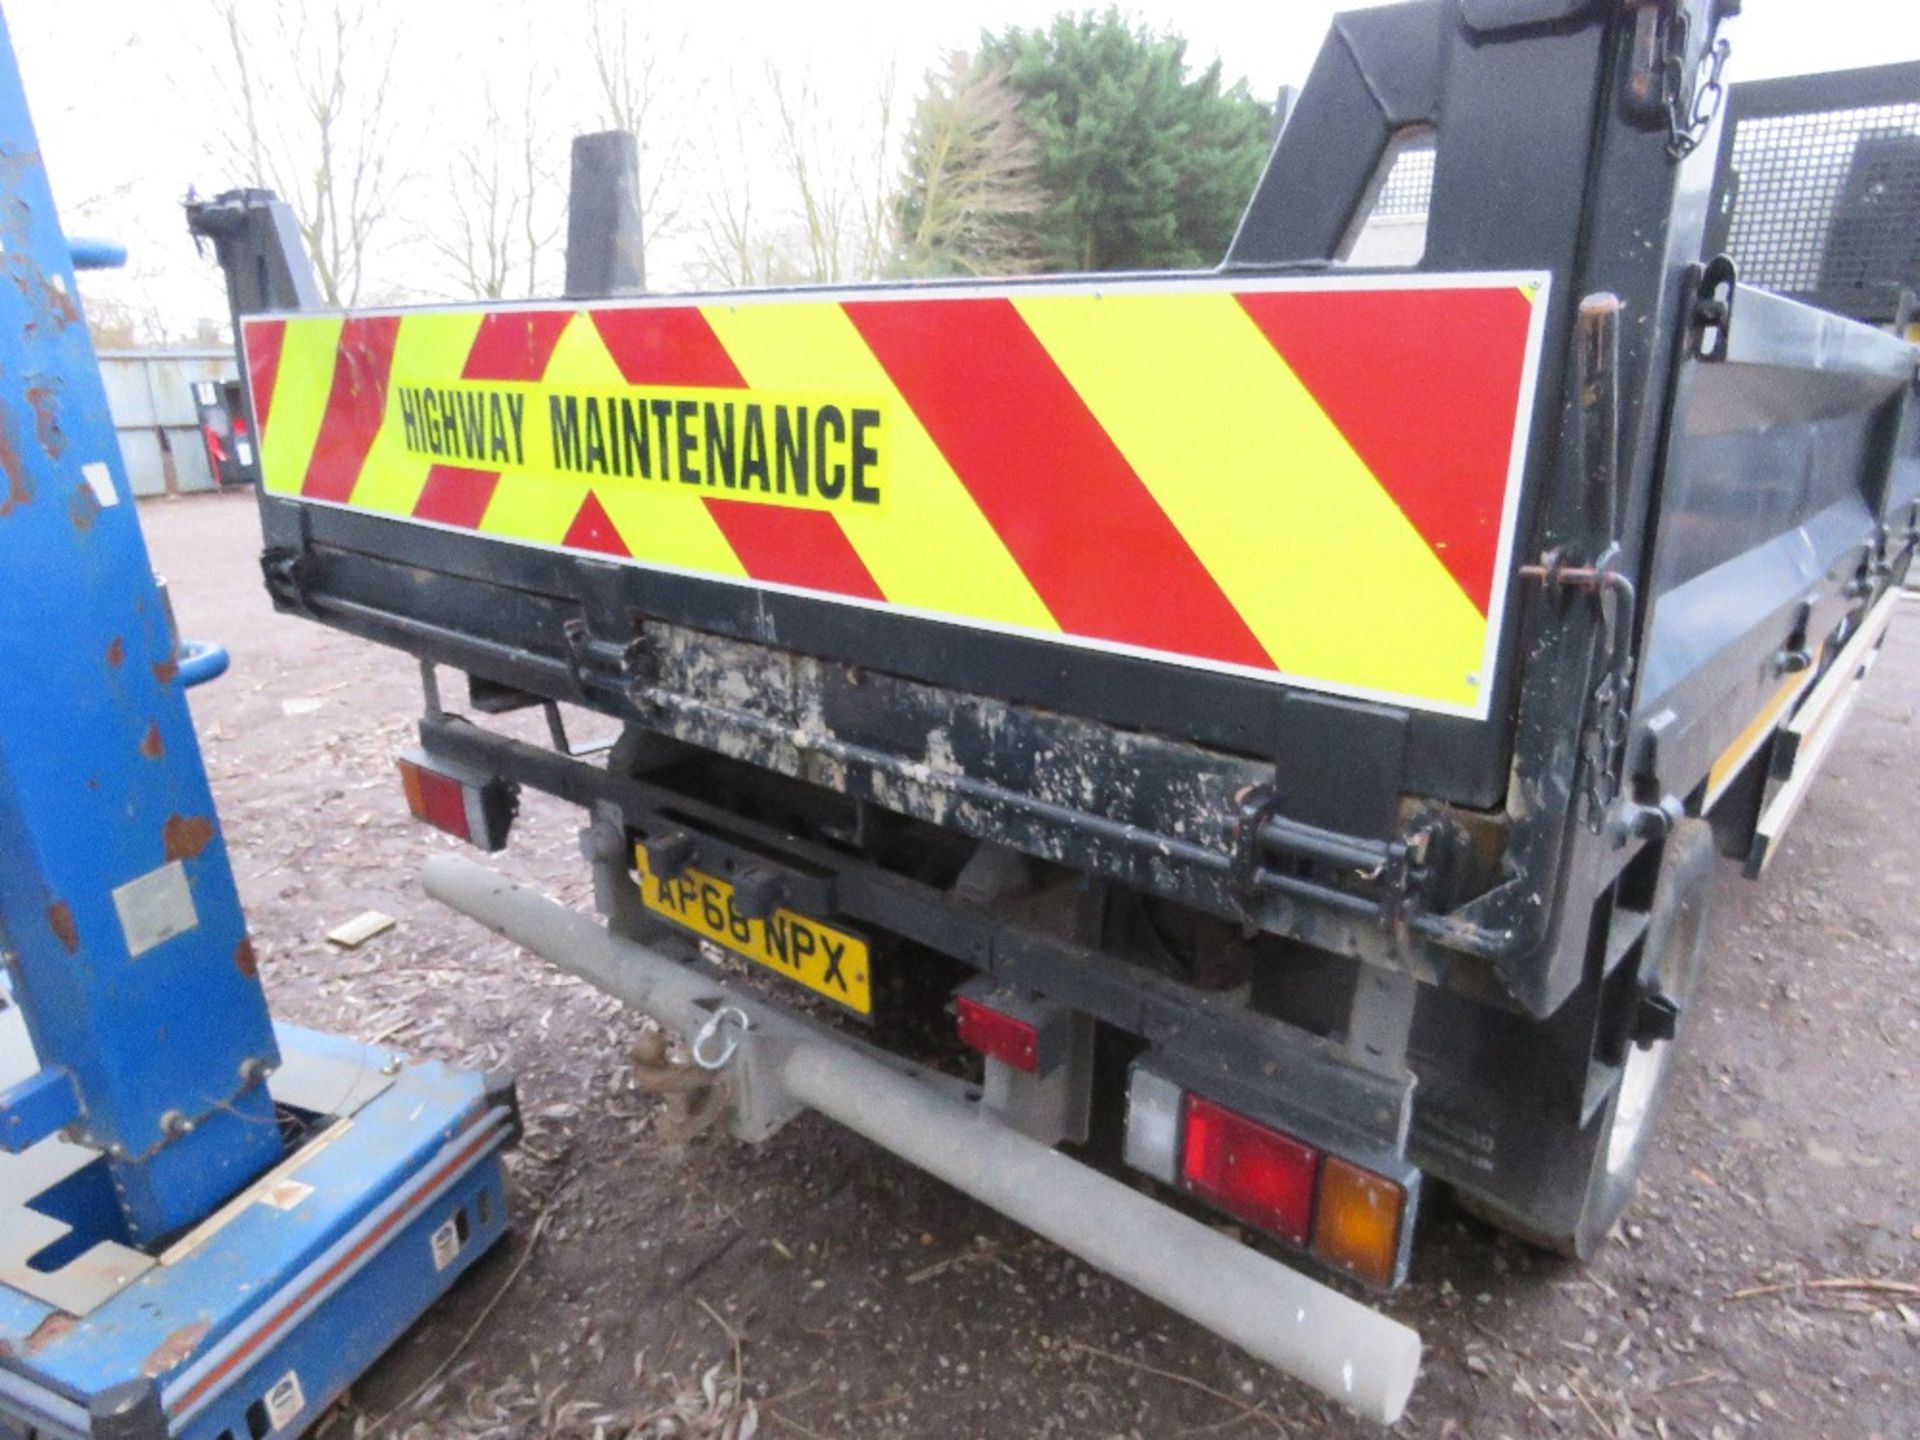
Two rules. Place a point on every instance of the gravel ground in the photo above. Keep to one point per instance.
(815, 1286)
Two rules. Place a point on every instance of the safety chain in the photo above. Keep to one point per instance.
(1690, 115)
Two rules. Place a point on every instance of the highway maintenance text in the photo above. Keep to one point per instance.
(801, 449)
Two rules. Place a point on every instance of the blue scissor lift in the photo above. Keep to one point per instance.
(209, 1223)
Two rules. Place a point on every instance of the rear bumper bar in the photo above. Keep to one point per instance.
(783, 1063)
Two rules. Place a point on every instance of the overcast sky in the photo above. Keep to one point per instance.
(128, 95)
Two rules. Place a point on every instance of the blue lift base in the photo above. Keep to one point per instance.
(252, 1323)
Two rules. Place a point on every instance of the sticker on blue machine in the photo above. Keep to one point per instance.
(285, 1401)
(446, 1244)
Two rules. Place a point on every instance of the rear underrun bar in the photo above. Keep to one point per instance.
(783, 1063)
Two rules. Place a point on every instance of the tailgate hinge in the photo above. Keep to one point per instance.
(1386, 881)
(288, 573)
(1715, 286)
(594, 664)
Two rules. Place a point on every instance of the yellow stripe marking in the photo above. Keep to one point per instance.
(427, 350)
(300, 390)
(1327, 570)
(661, 524)
(929, 547)
(1742, 749)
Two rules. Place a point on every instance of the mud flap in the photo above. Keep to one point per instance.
(1586, 1174)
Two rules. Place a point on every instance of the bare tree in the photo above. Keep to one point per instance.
(831, 219)
(501, 217)
(734, 244)
(629, 71)
(131, 317)
(482, 215)
(821, 200)
(313, 77)
(972, 177)
(880, 229)
(541, 217)
(733, 251)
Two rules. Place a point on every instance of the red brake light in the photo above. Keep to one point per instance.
(1001, 1036)
(1256, 1174)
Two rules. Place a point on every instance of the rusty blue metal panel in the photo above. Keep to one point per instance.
(128, 956)
(282, 1306)
(37, 1107)
(127, 945)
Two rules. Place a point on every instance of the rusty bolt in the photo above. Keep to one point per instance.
(174, 1124)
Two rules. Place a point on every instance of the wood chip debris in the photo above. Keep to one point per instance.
(362, 928)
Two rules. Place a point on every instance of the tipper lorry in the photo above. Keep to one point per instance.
(1276, 723)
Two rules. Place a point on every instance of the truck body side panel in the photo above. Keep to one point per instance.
(1786, 494)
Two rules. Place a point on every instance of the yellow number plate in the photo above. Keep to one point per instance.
(825, 960)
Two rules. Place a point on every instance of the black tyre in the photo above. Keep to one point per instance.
(1574, 1214)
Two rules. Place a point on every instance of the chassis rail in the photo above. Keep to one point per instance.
(1364, 1110)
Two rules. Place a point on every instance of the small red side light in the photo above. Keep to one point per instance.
(1001, 1036)
(437, 799)
(1253, 1173)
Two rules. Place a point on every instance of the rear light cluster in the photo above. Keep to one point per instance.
(1345, 1215)
(465, 803)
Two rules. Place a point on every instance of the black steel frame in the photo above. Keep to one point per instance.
(1820, 109)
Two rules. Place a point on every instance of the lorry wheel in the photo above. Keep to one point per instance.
(1610, 1154)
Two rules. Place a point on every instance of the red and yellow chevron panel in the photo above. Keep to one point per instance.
(1310, 481)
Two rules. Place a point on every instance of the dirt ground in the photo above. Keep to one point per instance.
(851, 1296)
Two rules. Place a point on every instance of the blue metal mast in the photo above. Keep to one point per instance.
(119, 920)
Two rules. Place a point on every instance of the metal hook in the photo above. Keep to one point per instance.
(726, 1018)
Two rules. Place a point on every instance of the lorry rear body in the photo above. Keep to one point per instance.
(1288, 712)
